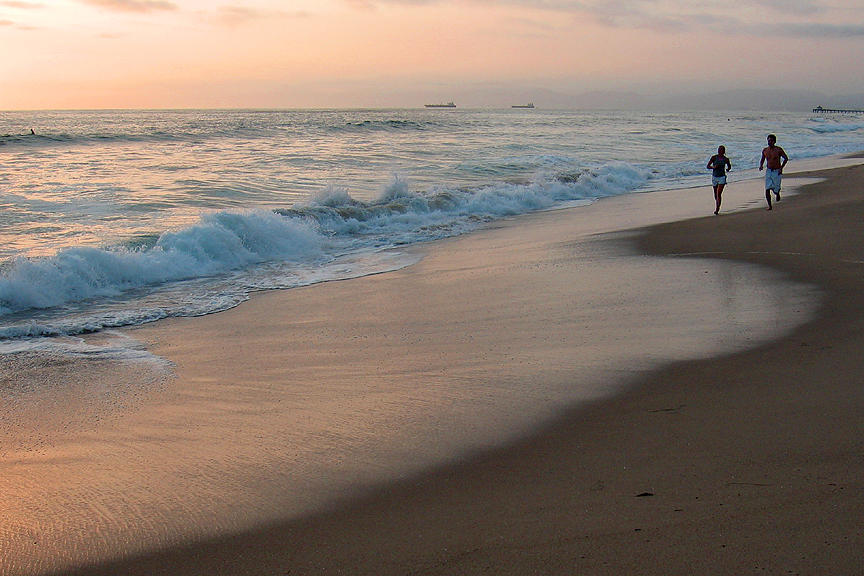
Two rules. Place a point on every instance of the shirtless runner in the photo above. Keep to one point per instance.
(776, 159)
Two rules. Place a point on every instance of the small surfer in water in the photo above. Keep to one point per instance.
(719, 163)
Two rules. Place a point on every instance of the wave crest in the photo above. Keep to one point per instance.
(221, 242)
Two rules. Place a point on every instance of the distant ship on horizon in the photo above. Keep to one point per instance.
(447, 105)
(529, 105)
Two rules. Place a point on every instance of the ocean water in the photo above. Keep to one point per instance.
(117, 218)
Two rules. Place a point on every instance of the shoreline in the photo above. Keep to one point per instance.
(488, 512)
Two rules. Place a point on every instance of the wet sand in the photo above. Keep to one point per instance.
(746, 462)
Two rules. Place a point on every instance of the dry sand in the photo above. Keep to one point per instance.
(750, 462)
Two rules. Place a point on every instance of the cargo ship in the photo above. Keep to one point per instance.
(447, 105)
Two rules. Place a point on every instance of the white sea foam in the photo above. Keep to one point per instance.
(831, 126)
(219, 243)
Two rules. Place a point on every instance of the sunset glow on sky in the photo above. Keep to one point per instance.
(323, 53)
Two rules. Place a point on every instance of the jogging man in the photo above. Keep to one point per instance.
(776, 159)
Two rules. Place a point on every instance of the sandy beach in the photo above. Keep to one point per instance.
(624, 388)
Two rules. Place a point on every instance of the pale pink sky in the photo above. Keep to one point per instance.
(322, 53)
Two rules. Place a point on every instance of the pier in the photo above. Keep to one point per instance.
(821, 110)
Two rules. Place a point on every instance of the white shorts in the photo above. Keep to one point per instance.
(717, 180)
(772, 180)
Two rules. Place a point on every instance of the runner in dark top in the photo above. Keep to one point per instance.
(719, 163)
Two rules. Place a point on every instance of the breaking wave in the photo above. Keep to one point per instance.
(328, 226)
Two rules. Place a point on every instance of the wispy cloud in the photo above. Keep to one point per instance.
(22, 5)
(374, 3)
(132, 5)
(793, 6)
(793, 18)
(235, 15)
(732, 26)
(4, 23)
(809, 18)
(799, 30)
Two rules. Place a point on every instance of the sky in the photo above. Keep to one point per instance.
(74, 54)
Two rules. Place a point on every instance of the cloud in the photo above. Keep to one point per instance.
(22, 5)
(826, 19)
(237, 15)
(373, 3)
(635, 13)
(11, 24)
(793, 18)
(361, 4)
(793, 6)
(737, 27)
(132, 5)
(816, 30)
